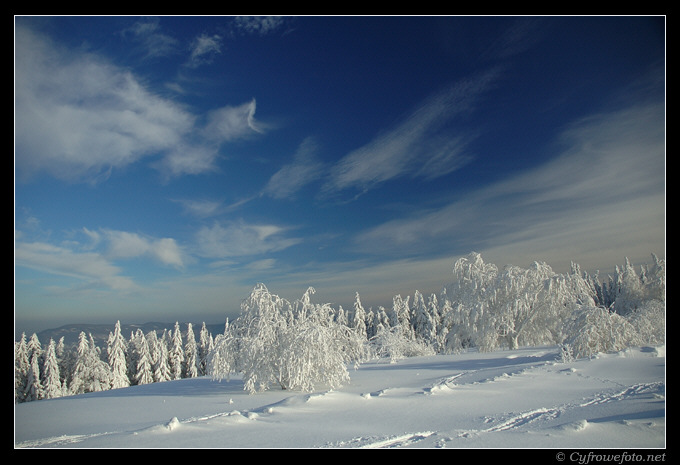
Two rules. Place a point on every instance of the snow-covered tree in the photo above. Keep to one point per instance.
(131, 356)
(116, 349)
(34, 390)
(273, 342)
(161, 369)
(400, 315)
(468, 297)
(51, 380)
(341, 316)
(424, 320)
(649, 320)
(393, 343)
(377, 321)
(81, 367)
(22, 365)
(359, 317)
(596, 329)
(90, 373)
(34, 348)
(190, 354)
(144, 372)
(176, 353)
(205, 346)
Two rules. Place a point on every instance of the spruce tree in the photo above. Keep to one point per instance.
(176, 354)
(51, 381)
(117, 359)
(161, 369)
(22, 365)
(204, 349)
(144, 374)
(190, 354)
(33, 385)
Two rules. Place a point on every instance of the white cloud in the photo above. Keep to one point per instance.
(123, 244)
(258, 25)
(203, 49)
(416, 147)
(89, 267)
(186, 159)
(201, 208)
(229, 122)
(94, 117)
(153, 42)
(241, 239)
(304, 169)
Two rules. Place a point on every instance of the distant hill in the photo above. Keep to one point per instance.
(100, 332)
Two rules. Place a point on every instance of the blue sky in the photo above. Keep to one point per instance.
(165, 165)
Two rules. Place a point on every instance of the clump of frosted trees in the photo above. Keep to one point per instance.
(293, 345)
(55, 371)
(490, 308)
(300, 345)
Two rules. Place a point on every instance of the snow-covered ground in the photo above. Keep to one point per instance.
(508, 399)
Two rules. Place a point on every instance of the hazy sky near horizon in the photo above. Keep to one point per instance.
(165, 165)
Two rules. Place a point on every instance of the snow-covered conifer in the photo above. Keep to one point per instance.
(205, 346)
(144, 373)
(116, 349)
(176, 353)
(101, 371)
(81, 368)
(34, 389)
(359, 317)
(34, 348)
(424, 323)
(190, 354)
(161, 368)
(51, 381)
(22, 365)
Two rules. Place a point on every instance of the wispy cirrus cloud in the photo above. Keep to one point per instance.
(203, 49)
(233, 122)
(258, 25)
(304, 169)
(604, 191)
(94, 117)
(151, 40)
(416, 147)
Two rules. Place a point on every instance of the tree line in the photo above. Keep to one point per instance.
(300, 344)
(55, 370)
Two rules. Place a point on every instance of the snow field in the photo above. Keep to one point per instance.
(506, 399)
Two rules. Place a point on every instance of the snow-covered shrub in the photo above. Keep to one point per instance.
(295, 346)
(649, 320)
(595, 329)
(393, 344)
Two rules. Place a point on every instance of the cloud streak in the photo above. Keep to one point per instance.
(88, 267)
(605, 191)
(304, 169)
(238, 239)
(416, 147)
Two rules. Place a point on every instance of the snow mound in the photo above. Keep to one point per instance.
(173, 424)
